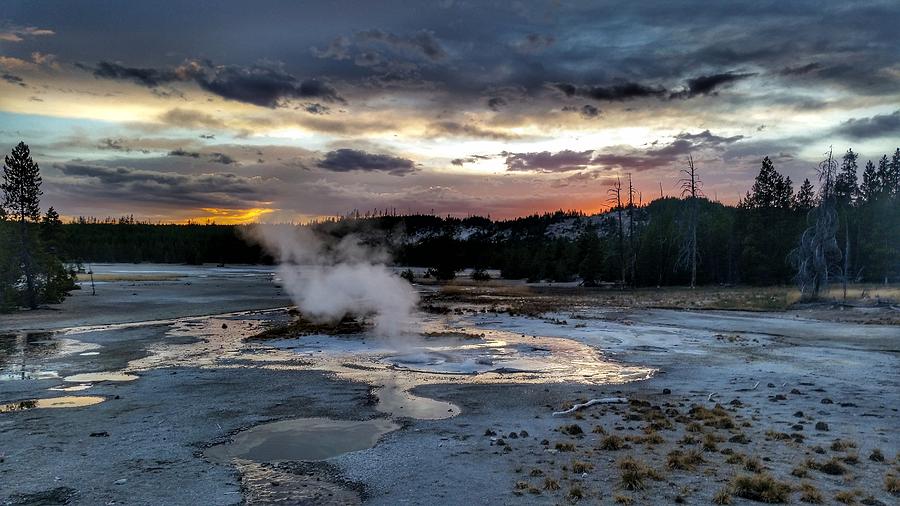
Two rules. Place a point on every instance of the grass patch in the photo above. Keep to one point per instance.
(684, 461)
(581, 467)
(565, 447)
(876, 456)
(576, 493)
(809, 493)
(551, 484)
(622, 499)
(892, 483)
(572, 430)
(723, 496)
(832, 467)
(761, 487)
(846, 497)
(634, 472)
(839, 445)
(612, 443)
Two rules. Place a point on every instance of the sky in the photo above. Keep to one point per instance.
(234, 112)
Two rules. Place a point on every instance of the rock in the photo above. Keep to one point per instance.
(799, 414)
(513, 435)
(489, 432)
(545, 442)
(100, 434)
(120, 481)
(826, 400)
(770, 385)
(666, 391)
(501, 442)
(822, 426)
(797, 427)
(523, 433)
(224, 325)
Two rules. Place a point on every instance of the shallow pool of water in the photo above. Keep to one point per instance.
(51, 402)
(94, 377)
(302, 439)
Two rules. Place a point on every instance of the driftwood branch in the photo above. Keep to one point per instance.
(605, 400)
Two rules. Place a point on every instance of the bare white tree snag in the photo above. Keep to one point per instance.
(818, 251)
(592, 402)
(690, 190)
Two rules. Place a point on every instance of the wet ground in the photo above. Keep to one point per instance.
(104, 407)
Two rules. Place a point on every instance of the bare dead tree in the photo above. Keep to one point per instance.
(615, 197)
(818, 251)
(690, 189)
(632, 260)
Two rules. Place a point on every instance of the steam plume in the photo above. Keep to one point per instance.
(329, 280)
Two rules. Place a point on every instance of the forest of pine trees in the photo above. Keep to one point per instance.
(670, 241)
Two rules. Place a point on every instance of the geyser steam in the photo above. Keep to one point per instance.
(329, 279)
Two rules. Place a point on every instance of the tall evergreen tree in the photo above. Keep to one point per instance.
(892, 184)
(770, 189)
(846, 188)
(22, 191)
(884, 175)
(871, 185)
(805, 199)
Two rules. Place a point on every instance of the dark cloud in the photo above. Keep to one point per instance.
(545, 161)
(796, 70)
(663, 156)
(613, 93)
(881, 125)
(257, 85)
(589, 111)
(182, 152)
(346, 160)
(316, 108)
(708, 85)
(13, 79)
(126, 184)
(422, 42)
(221, 158)
(149, 77)
(496, 103)
(263, 86)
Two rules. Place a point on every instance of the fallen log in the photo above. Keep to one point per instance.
(605, 400)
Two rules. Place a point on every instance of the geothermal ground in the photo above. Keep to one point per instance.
(155, 391)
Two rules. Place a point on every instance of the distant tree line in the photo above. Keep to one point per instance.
(670, 241)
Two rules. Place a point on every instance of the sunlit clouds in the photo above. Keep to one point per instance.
(286, 112)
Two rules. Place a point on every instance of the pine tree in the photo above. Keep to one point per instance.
(845, 185)
(884, 175)
(22, 191)
(806, 197)
(871, 186)
(770, 189)
(893, 182)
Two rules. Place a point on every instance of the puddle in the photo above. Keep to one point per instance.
(95, 377)
(25, 355)
(73, 388)
(52, 402)
(302, 439)
(395, 400)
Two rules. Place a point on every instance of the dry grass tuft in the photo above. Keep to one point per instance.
(581, 467)
(753, 465)
(710, 443)
(634, 472)
(565, 447)
(846, 497)
(686, 461)
(839, 445)
(576, 493)
(572, 430)
(622, 499)
(551, 484)
(809, 493)
(876, 455)
(832, 467)
(723, 496)
(892, 483)
(612, 443)
(761, 487)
